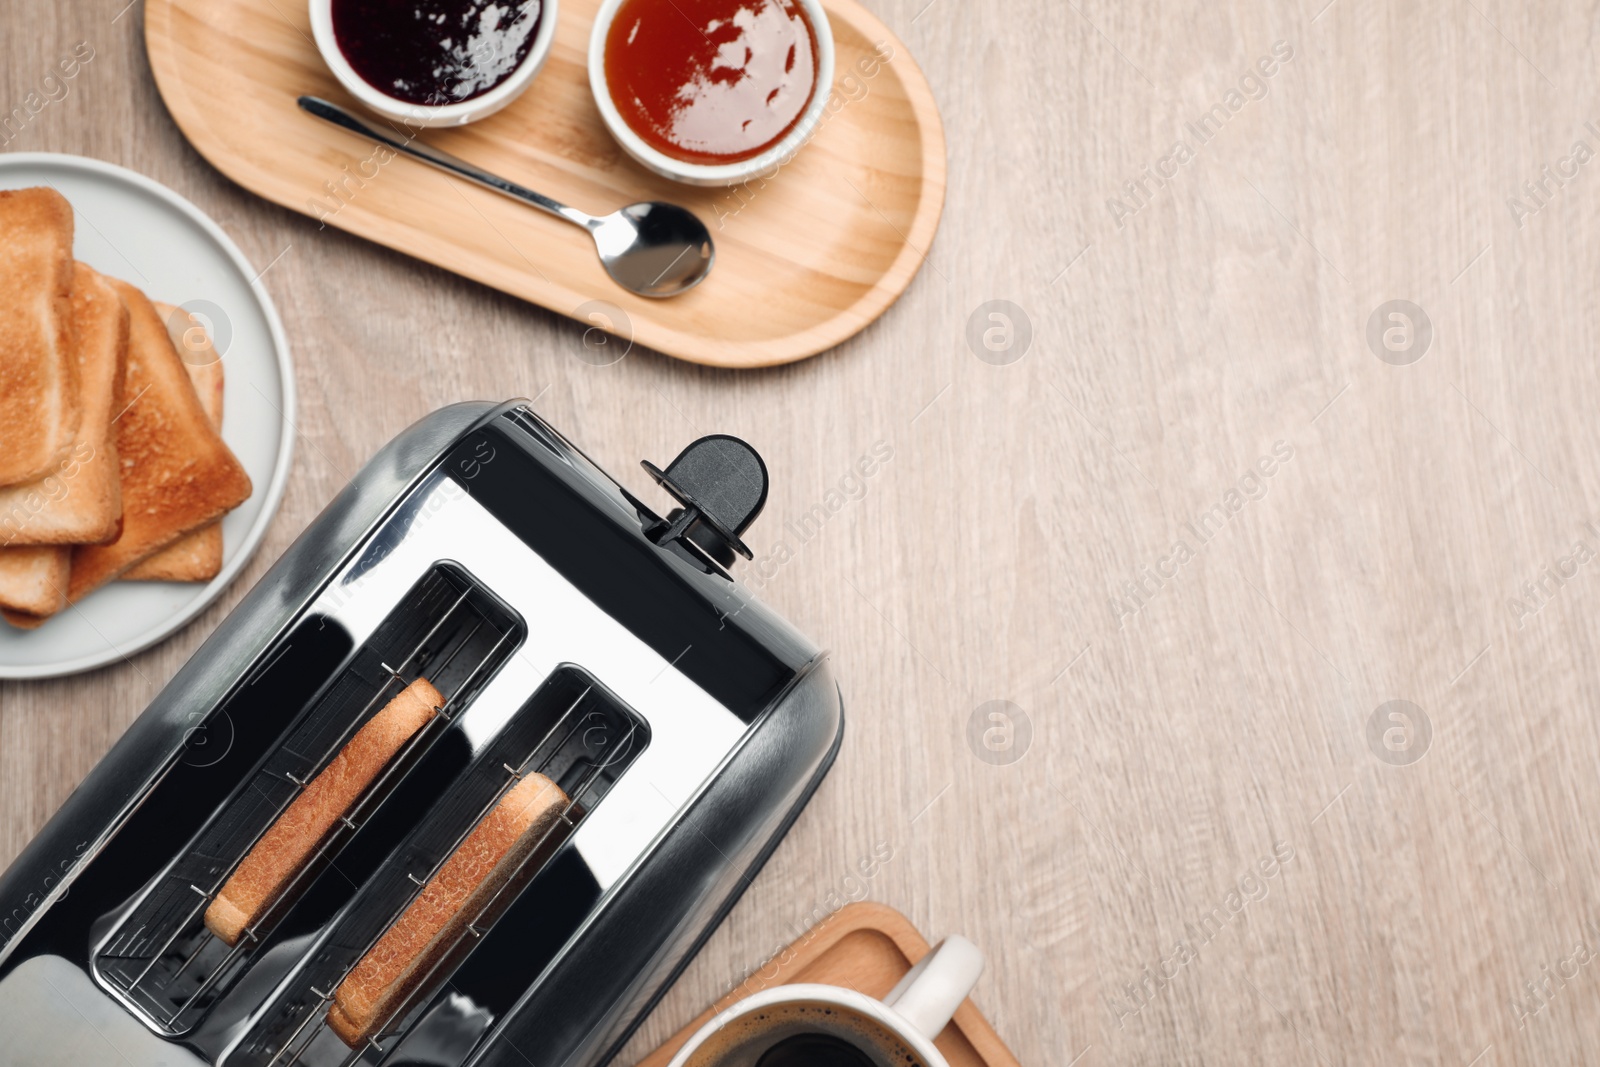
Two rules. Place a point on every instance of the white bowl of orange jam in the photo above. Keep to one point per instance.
(711, 92)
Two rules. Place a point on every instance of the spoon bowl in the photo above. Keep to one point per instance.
(654, 248)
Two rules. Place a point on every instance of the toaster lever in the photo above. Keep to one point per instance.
(722, 484)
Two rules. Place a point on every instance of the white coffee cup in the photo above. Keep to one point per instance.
(912, 1013)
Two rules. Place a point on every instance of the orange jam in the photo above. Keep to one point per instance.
(711, 81)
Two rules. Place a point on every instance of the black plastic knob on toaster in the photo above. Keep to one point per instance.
(722, 484)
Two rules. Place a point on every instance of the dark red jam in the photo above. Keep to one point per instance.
(711, 81)
(435, 52)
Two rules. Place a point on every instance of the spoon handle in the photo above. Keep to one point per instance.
(410, 146)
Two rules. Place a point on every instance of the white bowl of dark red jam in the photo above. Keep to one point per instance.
(711, 92)
(434, 62)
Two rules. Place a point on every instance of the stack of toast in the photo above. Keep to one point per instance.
(112, 464)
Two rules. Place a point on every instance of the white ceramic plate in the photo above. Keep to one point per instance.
(133, 228)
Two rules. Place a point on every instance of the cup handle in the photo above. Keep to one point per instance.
(931, 991)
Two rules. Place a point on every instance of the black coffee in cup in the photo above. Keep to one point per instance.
(804, 1035)
(814, 1050)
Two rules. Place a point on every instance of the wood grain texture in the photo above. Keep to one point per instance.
(1171, 749)
(806, 256)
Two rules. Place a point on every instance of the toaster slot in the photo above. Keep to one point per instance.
(572, 731)
(162, 959)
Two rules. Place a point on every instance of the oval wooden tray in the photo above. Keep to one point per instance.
(804, 260)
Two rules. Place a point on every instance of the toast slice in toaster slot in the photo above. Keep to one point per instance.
(317, 792)
(290, 841)
(497, 832)
(452, 899)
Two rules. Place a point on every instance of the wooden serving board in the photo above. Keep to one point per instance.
(804, 260)
(866, 947)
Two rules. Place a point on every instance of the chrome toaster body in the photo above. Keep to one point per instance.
(572, 632)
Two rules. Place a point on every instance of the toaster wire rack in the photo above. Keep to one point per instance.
(583, 725)
(466, 638)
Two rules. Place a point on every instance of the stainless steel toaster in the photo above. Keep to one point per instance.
(571, 632)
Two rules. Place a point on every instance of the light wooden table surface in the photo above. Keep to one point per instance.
(1423, 535)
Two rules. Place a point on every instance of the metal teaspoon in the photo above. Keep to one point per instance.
(652, 248)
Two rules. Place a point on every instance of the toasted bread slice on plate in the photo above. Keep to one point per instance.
(39, 403)
(33, 583)
(177, 475)
(196, 556)
(80, 500)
